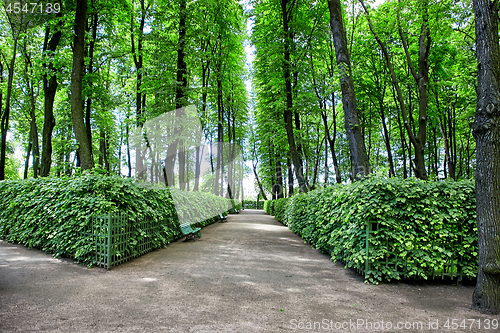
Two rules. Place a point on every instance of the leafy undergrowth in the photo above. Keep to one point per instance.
(421, 226)
(51, 213)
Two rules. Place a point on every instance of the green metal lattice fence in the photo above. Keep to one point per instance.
(118, 238)
(393, 262)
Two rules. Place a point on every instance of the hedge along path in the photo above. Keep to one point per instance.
(250, 274)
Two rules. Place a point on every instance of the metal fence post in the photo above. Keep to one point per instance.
(367, 264)
(108, 254)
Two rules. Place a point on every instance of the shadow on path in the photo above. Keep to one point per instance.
(250, 274)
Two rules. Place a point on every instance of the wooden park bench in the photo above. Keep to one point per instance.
(189, 232)
(222, 218)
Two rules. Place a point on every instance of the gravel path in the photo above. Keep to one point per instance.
(250, 274)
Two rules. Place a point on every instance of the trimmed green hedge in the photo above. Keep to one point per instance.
(424, 225)
(51, 213)
(269, 206)
(252, 204)
(279, 209)
(235, 206)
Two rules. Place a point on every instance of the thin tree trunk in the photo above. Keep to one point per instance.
(326, 160)
(139, 100)
(486, 296)
(290, 176)
(49, 92)
(28, 153)
(4, 121)
(259, 183)
(181, 155)
(279, 177)
(34, 136)
(288, 113)
(219, 173)
(422, 79)
(254, 165)
(90, 70)
(129, 162)
(387, 141)
(197, 170)
(417, 141)
(29, 75)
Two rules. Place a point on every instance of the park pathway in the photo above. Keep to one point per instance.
(250, 274)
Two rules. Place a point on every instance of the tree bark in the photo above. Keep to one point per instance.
(180, 91)
(197, 169)
(387, 141)
(34, 135)
(28, 153)
(359, 157)
(254, 165)
(486, 297)
(29, 76)
(422, 79)
(418, 141)
(49, 91)
(288, 113)
(4, 121)
(139, 98)
(85, 150)
(90, 71)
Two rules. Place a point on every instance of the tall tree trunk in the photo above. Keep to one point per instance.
(259, 182)
(401, 135)
(359, 157)
(102, 149)
(279, 177)
(49, 91)
(67, 155)
(129, 162)
(422, 79)
(219, 173)
(34, 135)
(28, 153)
(326, 160)
(446, 145)
(4, 121)
(418, 141)
(181, 155)
(90, 70)
(29, 76)
(486, 296)
(85, 150)
(387, 141)
(290, 176)
(254, 165)
(230, 152)
(180, 94)
(288, 113)
(197, 170)
(138, 62)
(331, 142)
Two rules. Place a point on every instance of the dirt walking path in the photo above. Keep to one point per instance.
(250, 274)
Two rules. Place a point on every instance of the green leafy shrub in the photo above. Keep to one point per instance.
(51, 213)
(420, 226)
(252, 204)
(235, 206)
(279, 209)
(269, 206)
